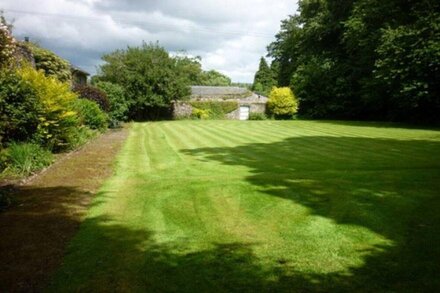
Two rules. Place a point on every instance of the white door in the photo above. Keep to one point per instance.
(244, 112)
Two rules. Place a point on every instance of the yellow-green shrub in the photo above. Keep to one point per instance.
(214, 109)
(57, 118)
(282, 103)
(200, 113)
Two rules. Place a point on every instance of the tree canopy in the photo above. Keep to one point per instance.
(214, 78)
(264, 78)
(151, 78)
(362, 59)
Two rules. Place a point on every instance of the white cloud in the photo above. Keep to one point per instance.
(229, 35)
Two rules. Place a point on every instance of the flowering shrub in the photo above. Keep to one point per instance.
(52, 64)
(7, 43)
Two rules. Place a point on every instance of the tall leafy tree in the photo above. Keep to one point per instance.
(214, 78)
(362, 59)
(151, 78)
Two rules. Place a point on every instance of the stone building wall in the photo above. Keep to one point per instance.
(181, 110)
(24, 54)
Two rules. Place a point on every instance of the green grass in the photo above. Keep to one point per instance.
(251, 206)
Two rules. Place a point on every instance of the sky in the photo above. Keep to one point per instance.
(229, 35)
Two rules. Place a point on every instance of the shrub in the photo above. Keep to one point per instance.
(50, 63)
(118, 102)
(216, 109)
(80, 135)
(282, 103)
(24, 158)
(200, 114)
(7, 43)
(93, 94)
(20, 108)
(257, 116)
(57, 120)
(90, 114)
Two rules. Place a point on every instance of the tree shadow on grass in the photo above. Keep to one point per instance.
(106, 256)
(390, 187)
(34, 233)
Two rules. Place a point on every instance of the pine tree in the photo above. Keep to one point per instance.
(263, 80)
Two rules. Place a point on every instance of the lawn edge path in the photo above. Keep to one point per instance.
(48, 210)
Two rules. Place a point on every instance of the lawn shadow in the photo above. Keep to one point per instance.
(106, 256)
(387, 186)
(34, 233)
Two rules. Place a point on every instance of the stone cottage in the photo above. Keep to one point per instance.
(79, 76)
(247, 101)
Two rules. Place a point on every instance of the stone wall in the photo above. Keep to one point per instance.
(181, 110)
(24, 54)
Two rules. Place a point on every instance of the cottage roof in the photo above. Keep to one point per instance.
(77, 69)
(217, 90)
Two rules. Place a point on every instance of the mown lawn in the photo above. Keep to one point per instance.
(251, 206)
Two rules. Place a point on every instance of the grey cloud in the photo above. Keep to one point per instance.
(230, 36)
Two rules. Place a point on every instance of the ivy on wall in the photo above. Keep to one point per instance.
(213, 109)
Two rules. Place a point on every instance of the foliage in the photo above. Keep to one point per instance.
(57, 120)
(23, 159)
(214, 78)
(90, 114)
(50, 63)
(264, 78)
(257, 116)
(93, 94)
(215, 109)
(202, 114)
(7, 42)
(363, 59)
(282, 103)
(20, 108)
(150, 76)
(118, 103)
(190, 68)
(408, 69)
(80, 135)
